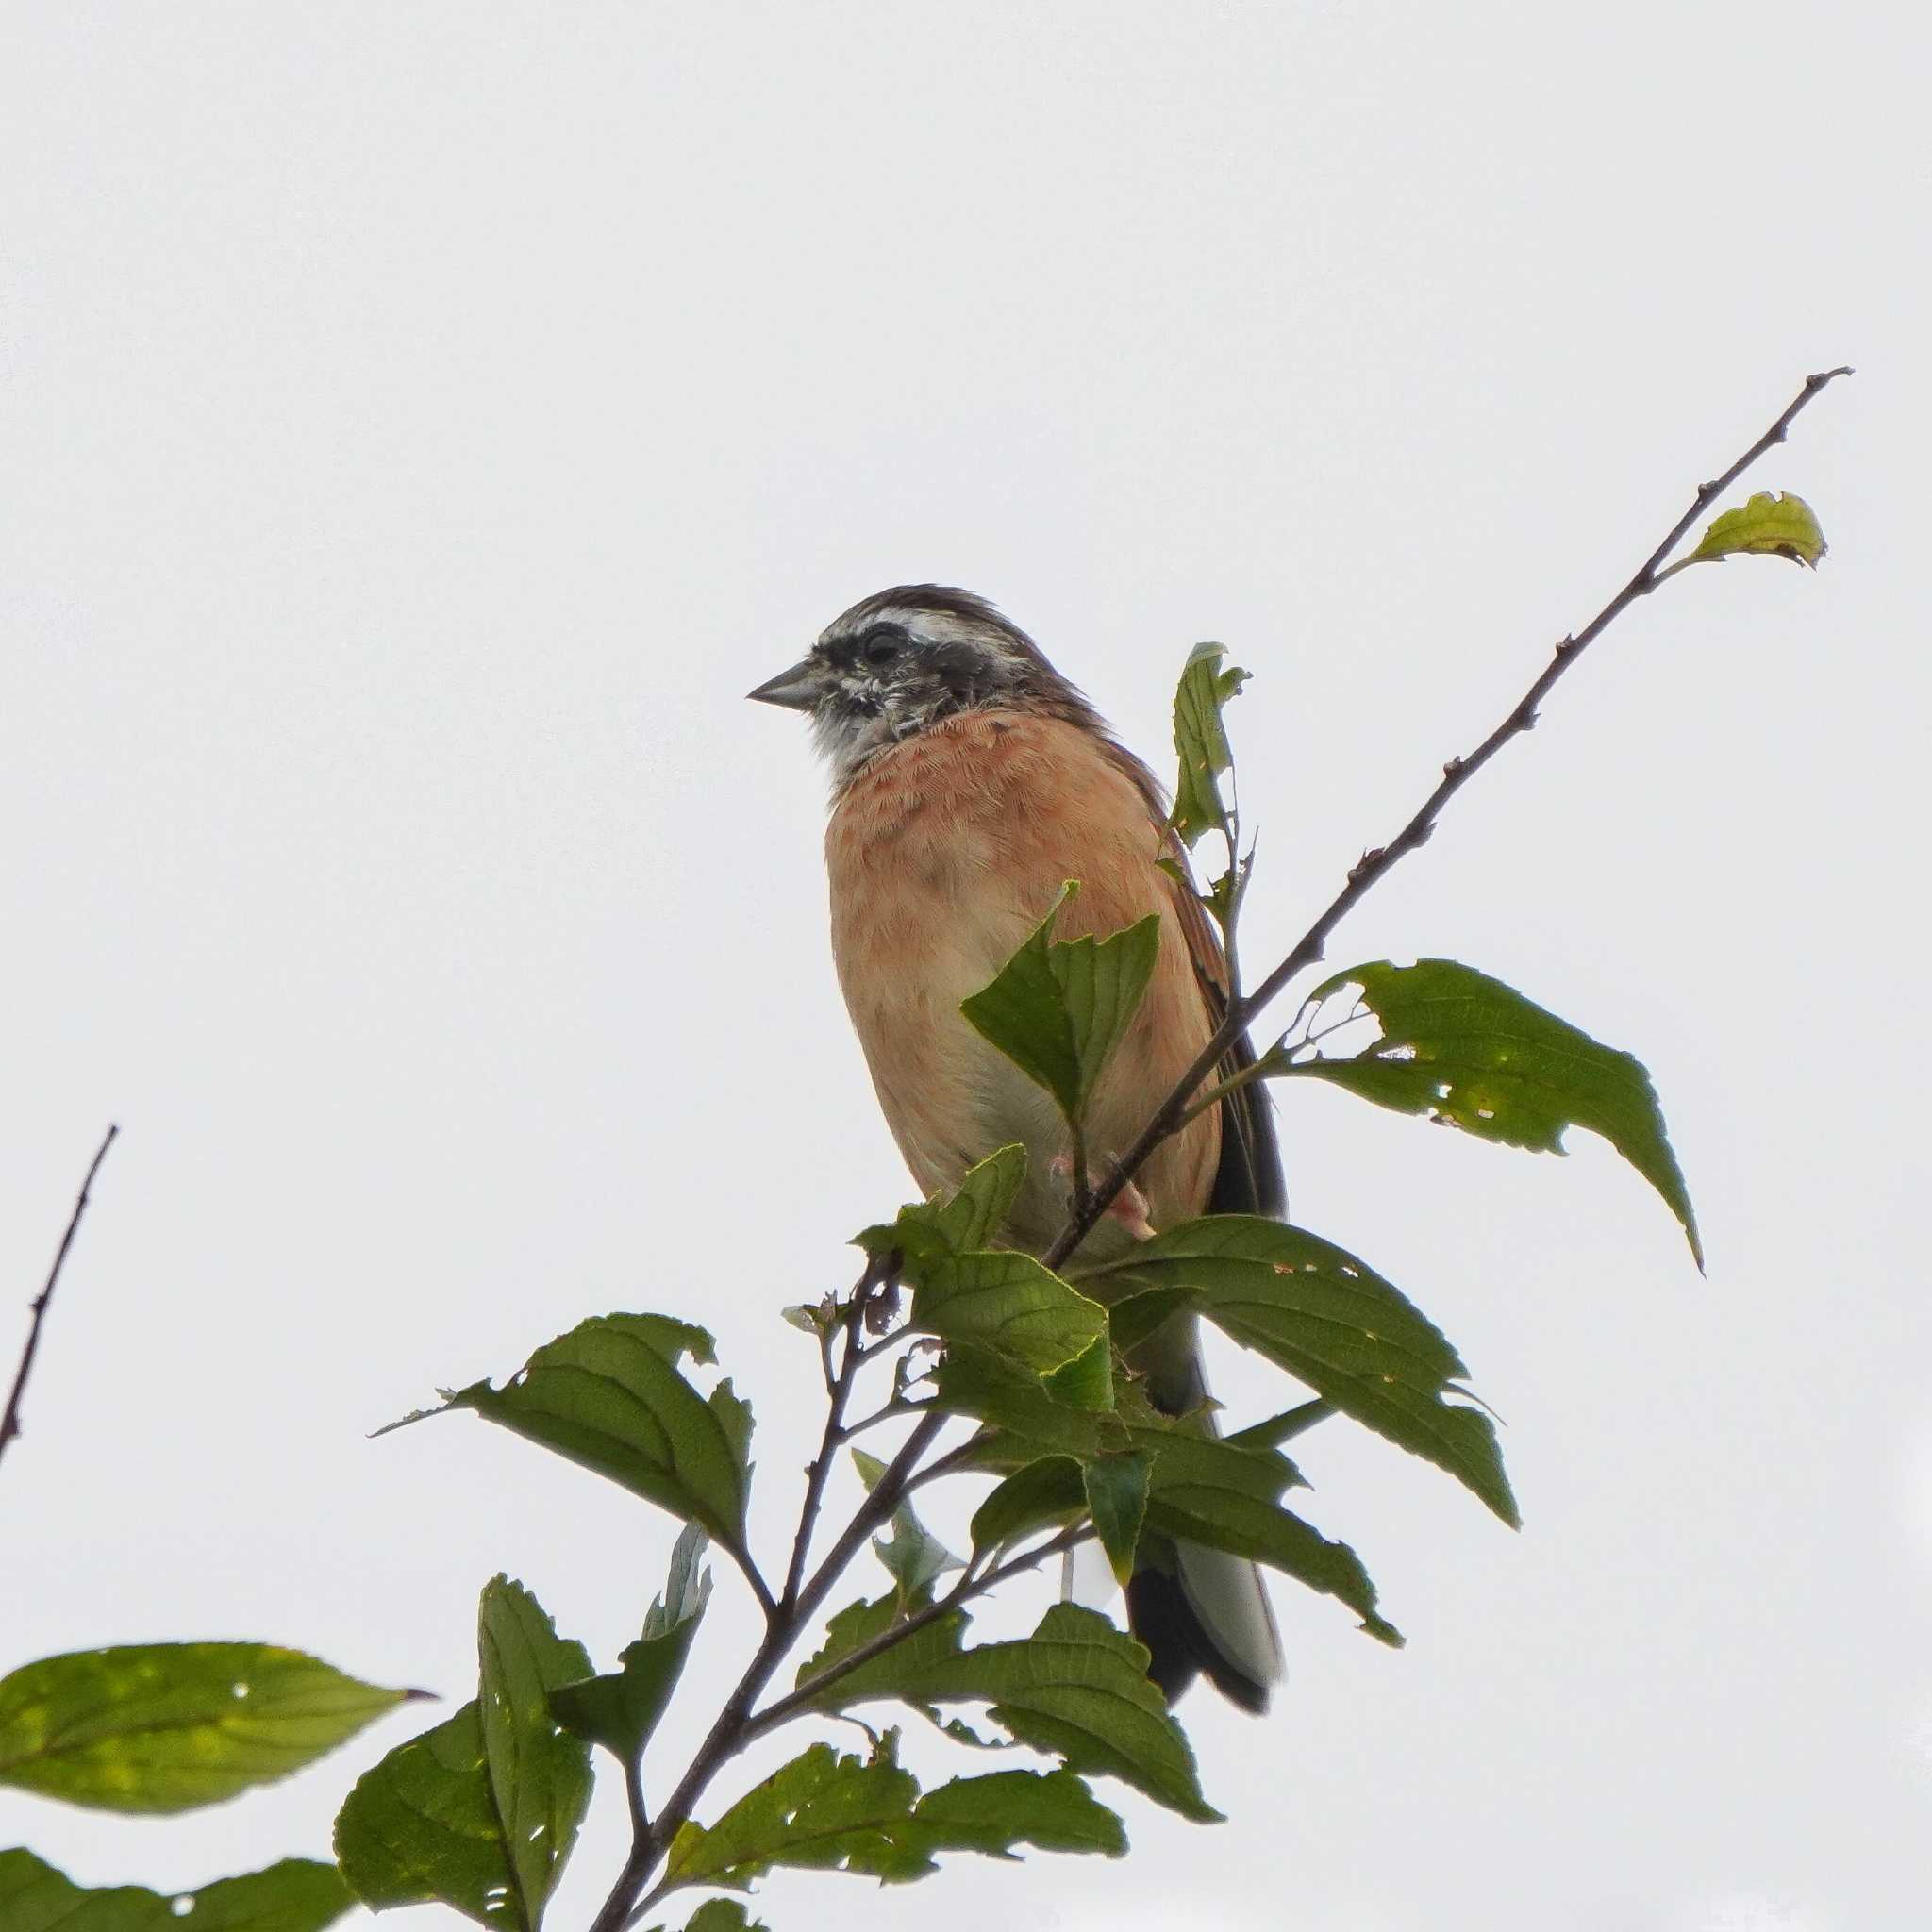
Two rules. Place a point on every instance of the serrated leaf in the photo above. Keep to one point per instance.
(1200, 739)
(1222, 1495)
(1058, 1009)
(422, 1825)
(609, 1396)
(620, 1708)
(1332, 1319)
(1768, 526)
(1116, 1489)
(540, 1775)
(1461, 1047)
(1076, 1688)
(956, 1224)
(481, 1813)
(1007, 1301)
(861, 1623)
(914, 1557)
(1329, 1318)
(720, 1915)
(295, 1895)
(979, 1382)
(822, 1811)
(165, 1727)
(996, 1810)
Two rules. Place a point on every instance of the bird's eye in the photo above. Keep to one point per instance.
(883, 644)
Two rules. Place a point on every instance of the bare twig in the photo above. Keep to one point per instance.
(1375, 863)
(9, 1421)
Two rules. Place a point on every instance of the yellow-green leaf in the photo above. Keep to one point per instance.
(296, 1896)
(161, 1727)
(1768, 526)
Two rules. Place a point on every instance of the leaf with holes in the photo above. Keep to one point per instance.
(296, 1896)
(1058, 1008)
(1768, 526)
(539, 1776)
(1461, 1047)
(481, 1813)
(1329, 1319)
(163, 1728)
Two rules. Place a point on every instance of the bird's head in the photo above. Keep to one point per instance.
(902, 659)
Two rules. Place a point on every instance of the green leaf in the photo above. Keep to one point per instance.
(720, 1915)
(956, 1224)
(422, 1825)
(1768, 526)
(1201, 740)
(1047, 1493)
(1009, 1302)
(826, 1812)
(608, 1395)
(1461, 1047)
(170, 1726)
(979, 1382)
(539, 1776)
(481, 1813)
(996, 1810)
(1222, 1495)
(915, 1558)
(1329, 1318)
(1076, 1688)
(620, 1708)
(820, 1812)
(1058, 1009)
(863, 1622)
(296, 1896)
(1116, 1487)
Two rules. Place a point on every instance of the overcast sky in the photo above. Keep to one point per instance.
(419, 425)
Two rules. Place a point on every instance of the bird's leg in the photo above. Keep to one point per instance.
(1129, 1207)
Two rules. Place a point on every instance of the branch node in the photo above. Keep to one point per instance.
(1455, 765)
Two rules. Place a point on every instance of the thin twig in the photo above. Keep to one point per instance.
(9, 1421)
(1375, 863)
(962, 1593)
(839, 1390)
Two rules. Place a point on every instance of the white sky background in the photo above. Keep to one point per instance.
(422, 424)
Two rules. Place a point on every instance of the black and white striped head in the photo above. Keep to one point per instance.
(899, 661)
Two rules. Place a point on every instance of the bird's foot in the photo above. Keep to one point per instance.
(1129, 1207)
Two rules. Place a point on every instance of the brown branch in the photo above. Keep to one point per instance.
(1377, 863)
(9, 1421)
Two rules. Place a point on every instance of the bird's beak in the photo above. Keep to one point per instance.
(797, 690)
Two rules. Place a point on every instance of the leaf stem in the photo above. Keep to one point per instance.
(1375, 863)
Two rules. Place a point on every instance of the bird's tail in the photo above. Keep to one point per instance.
(1198, 1609)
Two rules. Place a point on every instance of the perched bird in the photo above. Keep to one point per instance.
(969, 781)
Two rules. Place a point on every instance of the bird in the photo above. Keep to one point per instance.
(969, 782)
